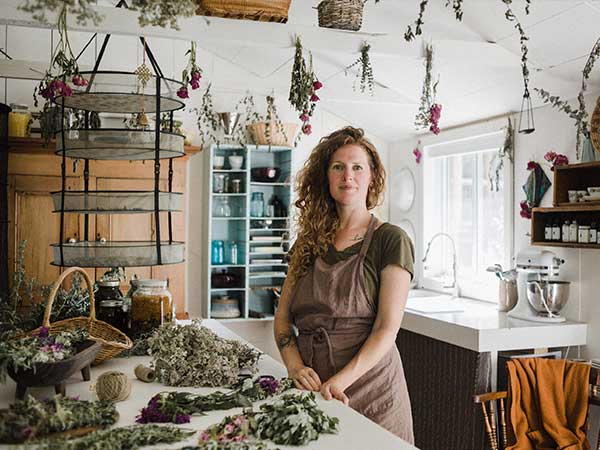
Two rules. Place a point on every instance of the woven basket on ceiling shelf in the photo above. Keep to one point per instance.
(341, 14)
(113, 341)
(261, 10)
(273, 136)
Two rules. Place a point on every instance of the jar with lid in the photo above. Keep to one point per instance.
(222, 207)
(19, 120)
(225, 307)
(151, 305)
(110, 306)
(257, 204)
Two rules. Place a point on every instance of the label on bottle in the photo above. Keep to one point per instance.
(548, 233)
(556, 233)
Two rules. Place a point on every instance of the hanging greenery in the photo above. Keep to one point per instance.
(82, 9)
(191, 74)
(303, 87)
(580, 114)
(457, 6)
(429, 113)
(504, 152)
(207, 119)
(273, 116)
(365, 69)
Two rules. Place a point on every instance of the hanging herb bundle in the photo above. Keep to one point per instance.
(123, 438)
(294, 419)
(272, 116)
(207, 119)
(246, 108)
(504, 152)
(63, 67)
(192, 355)
(191, 74)
(580, 114)
(82, 9)
(303, 87)
(24, 353)
(31, 418)
(163, 13)
(365, 70)
(177, 407)
(428, 116)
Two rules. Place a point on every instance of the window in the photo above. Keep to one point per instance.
(459, 201)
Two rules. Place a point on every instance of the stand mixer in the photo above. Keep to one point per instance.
(540, 295)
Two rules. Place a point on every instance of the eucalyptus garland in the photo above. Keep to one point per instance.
(303, 87)
(580, 114)
(124, 438)
(365, 69)
(178, 407)
(192, 355)
(31, 418)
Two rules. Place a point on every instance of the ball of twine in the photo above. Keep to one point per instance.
(113, 386)
(144, 373)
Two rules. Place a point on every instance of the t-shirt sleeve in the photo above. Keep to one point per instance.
(396, 248)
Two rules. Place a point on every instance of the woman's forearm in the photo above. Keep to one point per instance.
(285, 338)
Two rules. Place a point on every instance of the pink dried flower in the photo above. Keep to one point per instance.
(417, 154)
(314, 98)
(434, 118)
(306, 128)
(196, 75)
(78, 80)
(531, 165)
(560, 160)
(525, 210)
(317, 85)
(229, 428)
(204, 436)
(549, 156)
(183, 92)
(195, 84)
(304, 117)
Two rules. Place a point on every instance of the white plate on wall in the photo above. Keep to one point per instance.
(403, 189)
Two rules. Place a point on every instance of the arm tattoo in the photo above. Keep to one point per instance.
(286, 339)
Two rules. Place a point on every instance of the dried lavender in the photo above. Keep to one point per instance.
(192, 355)
(30, 418)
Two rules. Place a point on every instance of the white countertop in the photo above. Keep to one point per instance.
(355, 430)
(480, 327)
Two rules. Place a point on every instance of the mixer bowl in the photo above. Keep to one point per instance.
(554, 293)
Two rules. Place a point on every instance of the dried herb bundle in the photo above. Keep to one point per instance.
(83, 9)
(207, 119)
(303, 88)
(124, 438)
(429, 113)
(365, 69)
(192, 355)
(30, 418)
(24, 353)
(163, 13)
(294, 419)
(177, 407)
(504, 152)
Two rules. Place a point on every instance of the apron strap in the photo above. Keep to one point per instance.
(368, 236)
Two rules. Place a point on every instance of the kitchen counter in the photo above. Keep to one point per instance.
(482, 328)
(355, 430)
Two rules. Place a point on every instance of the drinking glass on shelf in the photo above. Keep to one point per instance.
(219, 183)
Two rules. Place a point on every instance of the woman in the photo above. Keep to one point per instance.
(347, 285)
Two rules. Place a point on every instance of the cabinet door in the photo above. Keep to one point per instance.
(32, 219)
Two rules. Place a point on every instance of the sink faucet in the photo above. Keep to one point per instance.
(454, 284)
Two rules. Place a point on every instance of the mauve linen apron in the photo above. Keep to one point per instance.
(334, 316)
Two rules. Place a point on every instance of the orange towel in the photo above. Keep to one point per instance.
(548, 404)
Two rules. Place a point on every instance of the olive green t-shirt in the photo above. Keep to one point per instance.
(390, 245)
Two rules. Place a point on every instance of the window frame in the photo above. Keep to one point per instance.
(472, 144)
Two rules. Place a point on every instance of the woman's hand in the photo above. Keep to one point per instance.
(305, 378)
(334, 388)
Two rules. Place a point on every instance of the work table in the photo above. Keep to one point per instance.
(482, 328)
(355, 430)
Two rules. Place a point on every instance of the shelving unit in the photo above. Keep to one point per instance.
(566, 178)
(262, 240)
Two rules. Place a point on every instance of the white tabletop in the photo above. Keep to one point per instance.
(355, 430)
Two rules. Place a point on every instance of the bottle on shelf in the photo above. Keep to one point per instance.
(565, 231)
(548, 231)
(217, 252)
(257, 204)
(573, 231)
(232, 253)
(583, 234)
(556, 231)
(593, 233)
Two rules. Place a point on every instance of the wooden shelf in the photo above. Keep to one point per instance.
(564, 244)
(36, 146)
(571, 207)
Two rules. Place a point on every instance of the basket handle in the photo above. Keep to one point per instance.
(56, 287)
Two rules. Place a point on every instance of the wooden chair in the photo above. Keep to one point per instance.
(494, 407)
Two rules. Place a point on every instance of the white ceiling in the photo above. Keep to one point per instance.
(477, 60)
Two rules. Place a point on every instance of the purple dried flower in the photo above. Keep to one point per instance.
(269, 385)
(182, 418)
(43, 332)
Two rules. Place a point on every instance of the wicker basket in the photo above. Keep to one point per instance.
(258, 131)
(113, 341)
(261, 10)
(341, 14)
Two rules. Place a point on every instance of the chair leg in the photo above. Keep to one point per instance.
(488, 428)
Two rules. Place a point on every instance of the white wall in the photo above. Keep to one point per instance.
(554, 131)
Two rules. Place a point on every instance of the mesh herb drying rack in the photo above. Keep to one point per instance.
(139, 92)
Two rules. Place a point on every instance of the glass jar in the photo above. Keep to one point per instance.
(151, 305)
(222, 207)
(232, 253)
(219, 183)
(217, 252)
(236, 186)
(225, 307)
(584, 234)
(257, 204)
(110, 305)
(19, 120)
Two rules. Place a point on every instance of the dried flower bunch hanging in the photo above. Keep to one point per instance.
(192, 355)
(82, 9)
(191, 74)
(428, 116)
(42, 347)
(303, 87)
(365, 69)
(504, 152)
(556, 159)
(293, 419)
(207, 119)
(63, 67)
(123, 438)
(580, 114)
(272, 116)
(30, 418)
(178, 407)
